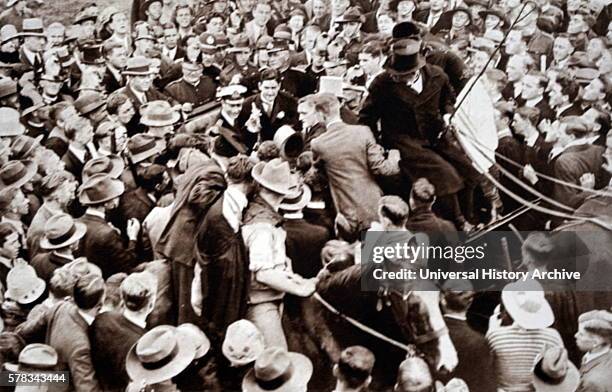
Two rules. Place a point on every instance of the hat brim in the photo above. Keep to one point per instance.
(153, 123)
(113, 193)
(35, 143)
(242, 49)
(31, 169)
(19, 129)
(184, 356)
(569, 384)
(30, 34)
(160, 146)
(117, 168)
(282, 189)
(79, 232)
(302, 371)
(31, 296)
(7, 39)
(300, 204)
(543, 319)
(391, 66)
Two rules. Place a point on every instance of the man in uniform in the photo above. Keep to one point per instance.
(194, 87)
(293, 81)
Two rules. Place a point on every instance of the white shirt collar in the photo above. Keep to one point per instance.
(226, 117)
(141, 323)
(79, 154)
(455, 317)
(6, 262)
(89, 319)
(91, 211)
(578, 142)
(564, 108)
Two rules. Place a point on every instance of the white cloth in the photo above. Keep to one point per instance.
(234, 203)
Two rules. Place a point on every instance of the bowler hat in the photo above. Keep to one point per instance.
(138, 65)
(160, 354)
(35, 356)
(240, 44)
(158, 114)
(405, 49)
(112, 165)
(243, 343)
(23, 285)
(33, 27)
(8, 87)
(279, 371)
(351, 15)
(275, 176)
(526, 304)
(91, 53)
(89, 101)
(7, 33)
(143, 146)
(60, 231)
(17, 173)
(554, 372)
(100, 188)
(23, 146)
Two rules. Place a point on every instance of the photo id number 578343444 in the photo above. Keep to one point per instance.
(25, 377)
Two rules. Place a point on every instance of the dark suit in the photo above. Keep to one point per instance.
(103, 246)
(297, 83)
(46, 263)
(595, 374)
(67, 333)
(284, 112)
(443, 23)
(74, 164)
(304, 243)
(151, 94)
(183, 92)
(570, 165)
(471, 345)
(111, 336)
(111, 83)
(310, 134)
(574, 110)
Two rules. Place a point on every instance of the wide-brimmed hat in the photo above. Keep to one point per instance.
(89, 101)
(51, 78)
(17, 173)
(351, 15)
(60, 231)
(23, 285)
(35, 356)
(554, 372)
(240, 44)
(143, 146)
(8, 87)
(275, 175)
(84, 16)
(495, 11)
(91, 53)
(297, 200)
(526, 304)
(159, 355)
(279, 371)
(7, 33)
(243, 343)
(138, 65)
(112, 165)
(10, 124)
(23, 145)
(289, 142)
(33, 27)
(158, 114)
(464, 10)
(100, 188)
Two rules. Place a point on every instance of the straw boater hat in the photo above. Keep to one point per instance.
(33, 27)
(275, 176)
(526, 304)
(35, 356)
(17, 173)
(100, 188)
(158, 114)
(112, 165)
(23, 285)
(243, 343)
(160, 354)
(279, 371)
(60, 231)
(554, 372)
(8, 87)
(10, 124)
(406, 55)
(143, 146)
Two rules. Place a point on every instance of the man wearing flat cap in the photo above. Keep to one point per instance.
(594, 337)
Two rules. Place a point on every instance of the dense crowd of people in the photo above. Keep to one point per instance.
(181, 184)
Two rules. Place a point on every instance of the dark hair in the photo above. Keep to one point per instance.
(355, 365)
(374, 48)
(115, 101)
(458, 301)
(569, 86)
(267, 151)
(61, 284)
(530, 114)
(6, 229)
(239, 169)
(88, 291)
(395, 209)
(268, 74)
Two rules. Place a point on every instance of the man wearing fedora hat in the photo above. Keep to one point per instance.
(277, 370)
(65, 327)
(103, 245)
(79, 132)
(113, 333)
(270, 268)
(594, 337)
(61, 238)
(34, 41)
(9, 251)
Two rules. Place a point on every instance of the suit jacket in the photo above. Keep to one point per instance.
(297, 83)
(304, 243)
(103, 246)
(111, 336)
(67, 333)
(343, 150)
(73, 164)
(284, 112)
(570, 165)
(595, 375)
(469, 345)
(574, 110)
(253, 32)
(110, 82)
(182, 92)
(151, 95)
(46, 263)
(312, 133)
(443, 23)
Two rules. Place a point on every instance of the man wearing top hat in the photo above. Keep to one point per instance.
(411, 99)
